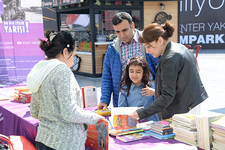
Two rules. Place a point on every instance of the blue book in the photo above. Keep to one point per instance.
(160, 137)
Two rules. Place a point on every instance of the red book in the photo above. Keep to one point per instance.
(98, 135)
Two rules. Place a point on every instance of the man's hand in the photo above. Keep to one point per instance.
(134, 115)
(102, 106)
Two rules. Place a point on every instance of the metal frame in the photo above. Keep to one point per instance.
(92, 9)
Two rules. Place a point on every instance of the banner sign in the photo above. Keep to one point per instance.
(47, 3)
(202, 23)
(21, 27)
(1, 8)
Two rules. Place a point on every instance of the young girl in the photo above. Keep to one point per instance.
(134, 86)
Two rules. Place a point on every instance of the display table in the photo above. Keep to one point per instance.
(17, 121)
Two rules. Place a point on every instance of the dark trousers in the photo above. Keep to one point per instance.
(41, 146)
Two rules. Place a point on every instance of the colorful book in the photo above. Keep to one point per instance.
(162, 132)
(133, 137)
(160, 137)
(103, 112)
(160, 126)
(98, 135)
(124, 132)
(116, 127)
(123, 122)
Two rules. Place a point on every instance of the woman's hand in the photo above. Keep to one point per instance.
(134, 115)
(147, 91)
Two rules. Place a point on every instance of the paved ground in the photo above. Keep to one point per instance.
(212, 72)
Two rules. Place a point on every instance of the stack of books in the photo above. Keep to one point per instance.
(185, 129)
(22, 94)
(161, 130)
(218, 134)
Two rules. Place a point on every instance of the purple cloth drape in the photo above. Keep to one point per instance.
(17, 121)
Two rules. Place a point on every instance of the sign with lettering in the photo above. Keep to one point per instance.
(20, 28)
(202, 23)
(46, 3)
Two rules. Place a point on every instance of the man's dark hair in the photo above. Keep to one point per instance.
(120, 16)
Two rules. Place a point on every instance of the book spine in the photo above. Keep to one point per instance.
(83, 97)
(130, 132)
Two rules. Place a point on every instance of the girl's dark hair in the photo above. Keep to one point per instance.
(125, 82)
(120, 16)
(153, 31)
(55, 42)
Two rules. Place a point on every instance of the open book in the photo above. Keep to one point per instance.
(122, 124)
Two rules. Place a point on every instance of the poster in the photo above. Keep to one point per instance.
(46, 3)
(21, 26)
(202, 23)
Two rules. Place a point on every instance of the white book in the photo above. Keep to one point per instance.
(89, 95)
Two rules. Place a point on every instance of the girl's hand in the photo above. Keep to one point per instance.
(147, 91)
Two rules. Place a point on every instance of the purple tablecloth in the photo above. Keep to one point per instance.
(17, 121)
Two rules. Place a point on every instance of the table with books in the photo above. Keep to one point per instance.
(141, 135)
(15, 119)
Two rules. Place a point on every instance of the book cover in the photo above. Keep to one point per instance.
(133, 137)
(89, 96)
(121, 122)
(103, 112)
(114, 132)
(98, 135)
(160, 137)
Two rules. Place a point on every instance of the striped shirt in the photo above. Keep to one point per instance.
(131, 50)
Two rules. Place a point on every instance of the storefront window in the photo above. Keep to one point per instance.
(79, 26)
(104, 27)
